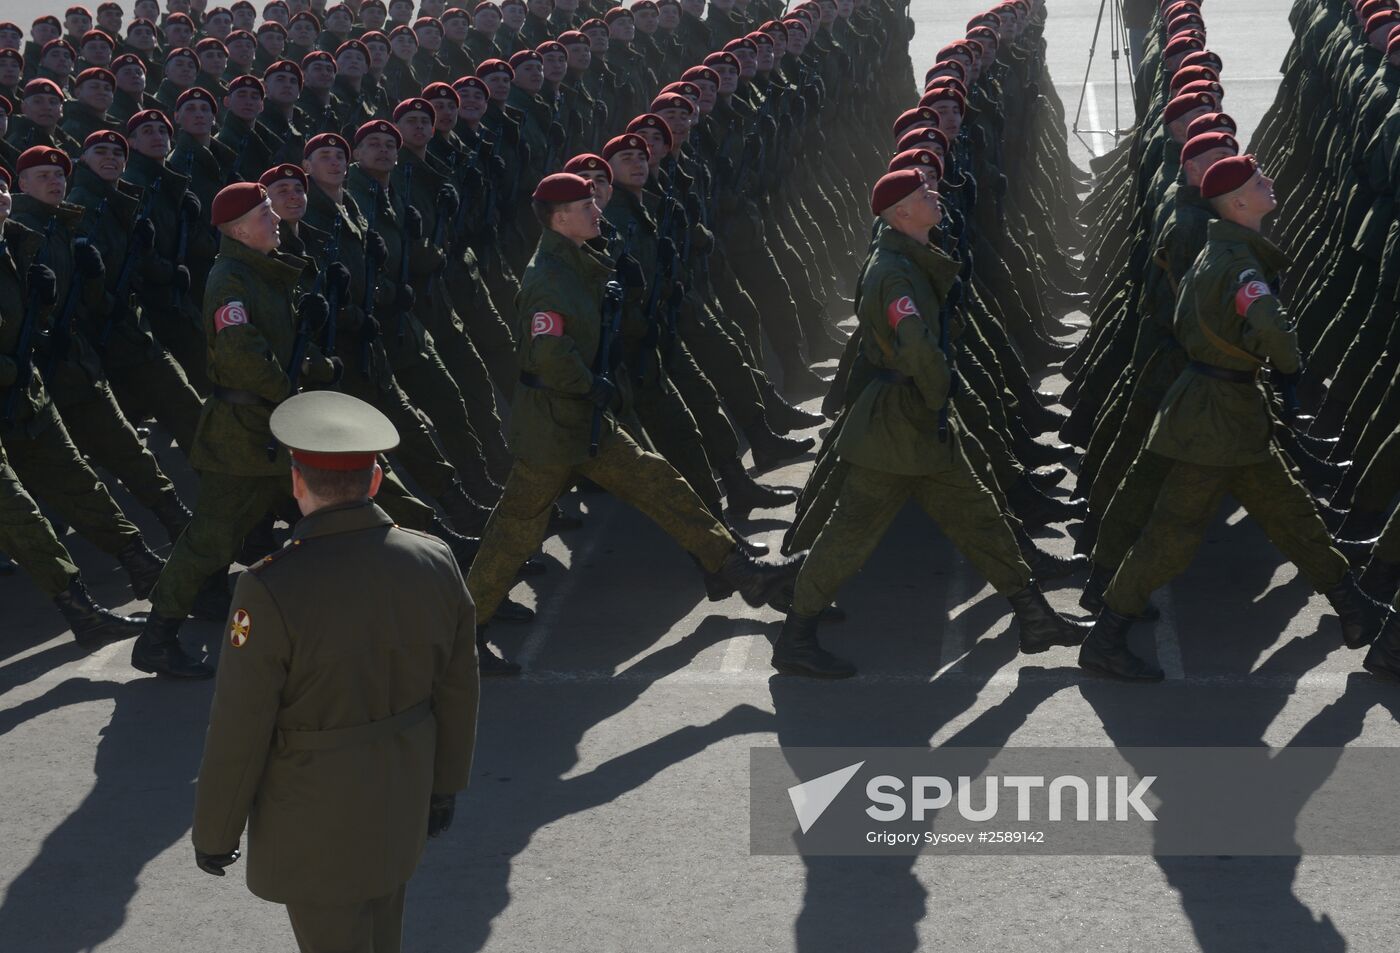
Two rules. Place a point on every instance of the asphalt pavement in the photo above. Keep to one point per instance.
(608, 809)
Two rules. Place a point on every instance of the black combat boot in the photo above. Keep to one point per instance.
(783, 416)
(1038, 418)
(1361, 524)
(142, 567)
(1091, 599)
(797, 651)
(488, 663)
(751, 546)
(213, 601)
(465, 548)
(1380, 579)
(1357, 551)
(801, 380)
(1035, 509)
(1383, 659)
(1032, 454)
(1360, 615)
(771, 450)
(8, 567)
(1042, 626)
(1106, 652)
(1045, 566)
(1086, 536)
(172, 514)
(759, 583)
(466, 515)
(158, 652)
(1047, 478)
(90, 622)
(717, 587)
(743, 494)
(561, 522)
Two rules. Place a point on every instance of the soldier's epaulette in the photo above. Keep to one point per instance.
(425, 535)
(271, 558)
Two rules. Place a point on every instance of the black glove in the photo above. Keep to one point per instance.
(143, 234)
(665, 251)
(180, 281)
(405, 298)
(214, 863)
(313, 312)
(447, 200)
(602, 392)
(43, 284)
(692, 206)
(190, 206)
(440, 810)
(375, 248)
(337, 371)
(630, 271)
(556, 136)
(87, 259)
(412, 224)
(337, 280)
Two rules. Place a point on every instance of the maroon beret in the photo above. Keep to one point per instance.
(652, 121)
(917, 158)
(415, 105)
(379, 125)
(305, 16)
(758, 37)
(1381, 20)
(235, 201)
(683, 88)
(149, 115)
(41, 87)
(247, 81)
(561, 187)
(196, 94)
(490, 66)
(1202, 58)
(672, 101)
(1189, 74)
(423, 23)
(572, 38)
(441, 91)
(181, 51)
(455, 13)
(125, 60)
(1225, 176)
(615, 12)
(105, 137)
(271, 26)
(944, 94)
(282, 172)
(77, 11)
(520, 57)
(39, 156)
(352, 46)
(284, 66)
(326, 140)
(1182, 45)
(1210, 122)
(1183, 104)
(95, 72)
(183, 18)
(894, 187)
(16, 55)
(549, 46)
(593, 23)
(50, 20)
(910, 117)
(1202, 86)
(240, 35)
(1205, 142)
(724, 58)
(486, 6)
(1393, 43)
(317, 56)
(373, 36)
(700, 74)
(97, 35)
(471, 82)
(403, 30)
(211, 43)
(588, 162)
(57, 44)
(629, 141)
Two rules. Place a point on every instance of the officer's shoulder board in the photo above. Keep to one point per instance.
(262, 564)
(437, 541)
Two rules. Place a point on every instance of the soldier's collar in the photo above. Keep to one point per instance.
(1273, 258)
(341, 518)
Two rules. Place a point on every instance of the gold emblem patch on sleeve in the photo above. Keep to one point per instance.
(240, 627)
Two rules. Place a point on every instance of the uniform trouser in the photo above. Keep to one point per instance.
(1187, 502)
(644, 480)
(431, 388)
(29, 538)
(416, 451)
(674, 433)
(159, 388)
(101, 431)
(490, 335)
(368, 926)
(720, 358)
(464, 362)
(1381, 479)
(228, 508)
(703, 402)
(955, 499)
(1387, 548)
(179, 334)
(50, 464)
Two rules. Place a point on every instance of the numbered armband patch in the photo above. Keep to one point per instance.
(899, 309)
(1252, 287)
(550, 323)
(230, 315)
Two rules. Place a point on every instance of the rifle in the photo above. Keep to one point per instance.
(182, 234)
(63, 329)
(332, 254)
(367, 334)
(233, 175)
(122, 304)
(549, 152)
(24, 350)
(665, 271)
(611, 327)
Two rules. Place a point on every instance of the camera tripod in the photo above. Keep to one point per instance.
(1118, 38)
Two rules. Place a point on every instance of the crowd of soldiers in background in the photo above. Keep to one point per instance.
(1330, 143)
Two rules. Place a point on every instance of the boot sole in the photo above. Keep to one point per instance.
(799, 671)
(1106, 672)
(174, 677)
(1381, 672)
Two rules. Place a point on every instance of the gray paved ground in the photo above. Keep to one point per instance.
(608, 811)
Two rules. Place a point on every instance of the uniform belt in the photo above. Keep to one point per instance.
(356, 735)
(1224, 373)
(246, 398)
(534, 382)
(890, 376)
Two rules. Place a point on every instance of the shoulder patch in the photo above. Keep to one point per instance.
(550, 323)
(899, 309)
(230, 315)
(240, 628)
(272, 557)
(1250, 292)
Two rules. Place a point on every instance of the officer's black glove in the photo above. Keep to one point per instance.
(313, 311)
(412, 224)
(43, 284)
(405, 298)
(87, 259)
(692, 205)
(602, 392)
(630, 271)
(447, 200)
(375, 248)
(180, 281)
(441, 807)
(337, 280)
(190, 206)
(143, 234)
(214, 863)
